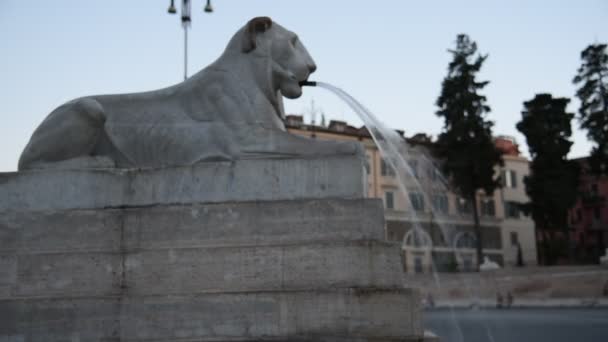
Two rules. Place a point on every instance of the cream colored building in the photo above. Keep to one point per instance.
(443, 220)
(517, 229)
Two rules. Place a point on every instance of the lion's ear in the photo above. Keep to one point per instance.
(254, 26)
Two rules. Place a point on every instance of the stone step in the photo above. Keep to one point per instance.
(291, 267)
(209, 182)
(202, 270)
(190, 226)
(60, 319)
(332, 315)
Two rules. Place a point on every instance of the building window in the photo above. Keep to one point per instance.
(433, 173)
(594, 191)
(385, 169)
(509, 179)
(389, 200)
(465, 240)
(464, 206)
(418, 265)
(440, 203)
(487, 207)
(514, 239)
(417, 201)
(367, 164)
(414, 166)
(512, 209)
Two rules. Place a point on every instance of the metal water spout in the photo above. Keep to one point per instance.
(308, 83)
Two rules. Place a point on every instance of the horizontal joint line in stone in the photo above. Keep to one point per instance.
(119, 251)
(131, 296)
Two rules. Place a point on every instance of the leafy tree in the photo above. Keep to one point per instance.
(593, 92)
(553, 180)
(466, 145)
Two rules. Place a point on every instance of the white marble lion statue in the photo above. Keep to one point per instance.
(232, 109)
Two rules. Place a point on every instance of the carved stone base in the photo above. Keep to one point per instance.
(315, 269)
(209, 182)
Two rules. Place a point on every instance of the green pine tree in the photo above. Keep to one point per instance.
(553, 180)
(592, 76)
(466, 145)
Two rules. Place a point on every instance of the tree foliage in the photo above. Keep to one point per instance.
(592, 78)
(553, 180)
(466, 145)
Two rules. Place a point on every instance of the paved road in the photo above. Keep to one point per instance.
(519, 325)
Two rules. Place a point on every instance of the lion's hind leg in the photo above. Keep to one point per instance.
(67, 138)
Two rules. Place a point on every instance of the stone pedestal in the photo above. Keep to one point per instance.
(178, 255)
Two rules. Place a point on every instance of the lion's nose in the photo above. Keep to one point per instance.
(312, 67)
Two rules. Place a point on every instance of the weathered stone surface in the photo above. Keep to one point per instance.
(242, 180)
(201, 270)
(254, 223)
(52, 231)
(60, 319)
(331, 315)
(196, 225)
(62, 275)
(230, 110)
(222, 246)
(289, 267)
(370, 313)
(196, 248)
(285, 270)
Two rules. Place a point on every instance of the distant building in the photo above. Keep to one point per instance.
(589, 217)
(517, 229)
(444, 217)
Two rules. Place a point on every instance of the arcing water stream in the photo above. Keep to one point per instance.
(396, 153)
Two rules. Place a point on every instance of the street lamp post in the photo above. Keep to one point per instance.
(186, 19)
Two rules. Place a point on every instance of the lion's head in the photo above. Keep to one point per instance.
(290, 63)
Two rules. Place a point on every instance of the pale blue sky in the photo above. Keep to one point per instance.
(391, 55)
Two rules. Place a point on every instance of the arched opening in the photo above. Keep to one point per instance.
(417, 246)
(464, 249)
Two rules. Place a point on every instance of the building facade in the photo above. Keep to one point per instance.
(518, 233)
(589, 217)
(433, 222)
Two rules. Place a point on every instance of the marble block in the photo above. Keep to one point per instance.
(209, 182)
